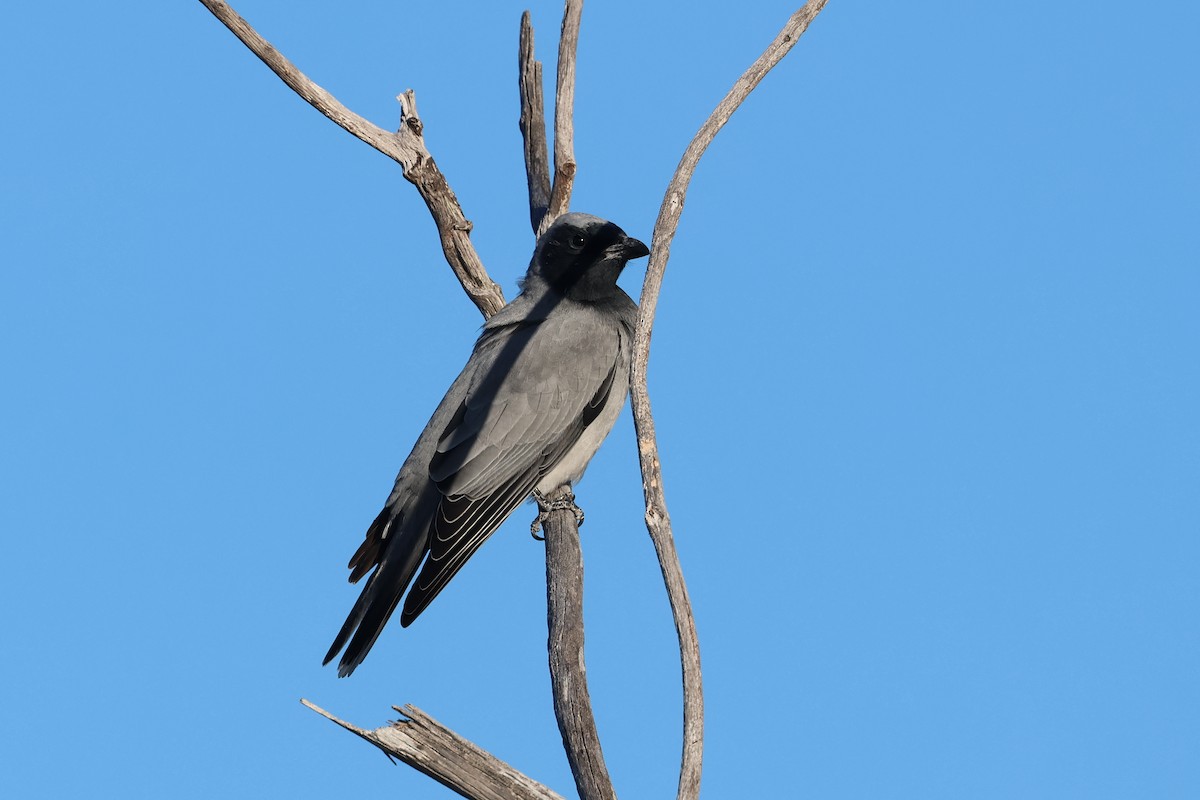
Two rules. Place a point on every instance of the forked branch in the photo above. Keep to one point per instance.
(564, 557)
(406, 147)
(419, 740)
(549, 202)
(658, 521)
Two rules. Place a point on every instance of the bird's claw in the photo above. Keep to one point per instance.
(565, 500)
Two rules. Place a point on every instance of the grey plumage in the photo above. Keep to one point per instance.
(543, 387)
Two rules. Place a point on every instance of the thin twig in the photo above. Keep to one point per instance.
(658, 521)
(568, 674)
(564, 112)
(533, 125)
(430, 747)
(406, 146)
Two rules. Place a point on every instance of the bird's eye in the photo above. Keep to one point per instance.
(577, 241)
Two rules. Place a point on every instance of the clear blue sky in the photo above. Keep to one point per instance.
(925, 374)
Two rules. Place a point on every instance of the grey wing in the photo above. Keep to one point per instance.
(397, 540)
(517, 421)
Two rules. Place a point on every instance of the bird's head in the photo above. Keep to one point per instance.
(581, 256)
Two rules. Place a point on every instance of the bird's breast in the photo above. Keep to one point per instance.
(571, 466)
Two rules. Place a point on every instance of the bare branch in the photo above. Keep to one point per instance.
(564, 112)
(568, 674)
(564, 558)
(406, 146)
(658, 521)
(533, 125)
(418, 740)
(430, 747)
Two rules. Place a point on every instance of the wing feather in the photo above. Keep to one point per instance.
(509, 432)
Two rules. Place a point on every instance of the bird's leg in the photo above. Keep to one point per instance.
(564, 499)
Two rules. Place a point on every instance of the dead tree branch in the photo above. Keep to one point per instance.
(419, 740)
(406, 147)
(430, 747)
(564, 113)
(658, 521)
(533, 126)
(564, 557)
(568, 675)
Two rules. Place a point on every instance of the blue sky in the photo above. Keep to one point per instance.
(924, 374)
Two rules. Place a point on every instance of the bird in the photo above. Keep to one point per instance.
(544, 384)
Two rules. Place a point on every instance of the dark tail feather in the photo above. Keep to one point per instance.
(377, 601)
(351, 622)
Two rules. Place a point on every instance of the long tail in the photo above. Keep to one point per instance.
(379, 597)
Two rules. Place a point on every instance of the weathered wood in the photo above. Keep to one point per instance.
(533, 125)
(658, 520)
(430, 747)
(564, 112)
(406, 147)
(564, 557)
(568, 673)
(419, 740)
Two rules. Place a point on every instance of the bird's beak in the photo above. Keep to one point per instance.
(633, 248)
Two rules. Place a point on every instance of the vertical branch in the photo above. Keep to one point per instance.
(564, 557)
(564, 111)
(568, 674)
(658, 521)
(533, 125)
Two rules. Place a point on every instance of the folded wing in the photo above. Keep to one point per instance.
(517, 421)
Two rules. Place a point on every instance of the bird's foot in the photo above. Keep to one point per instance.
(564, 500)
